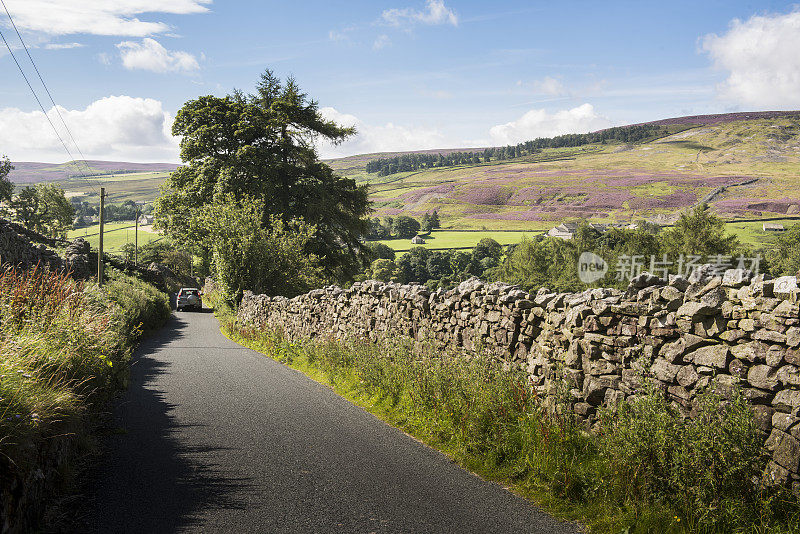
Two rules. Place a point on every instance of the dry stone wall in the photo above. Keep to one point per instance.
(17, 249)
(725, 331)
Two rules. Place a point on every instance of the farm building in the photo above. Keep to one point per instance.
(567, 230)
(146, 219)
(773, 227)
(564, 230)
(417, 240)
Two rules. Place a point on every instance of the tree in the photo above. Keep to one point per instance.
(413, 266)
(6, 187)
(261, 146)
(45, 209)
(267, 259)
(698, 232)
(426, 223)
(405, 227)
(377, 230)
(435, 220)
(487, 248)
(381, 251)
(438, 265)
(382, 269)
(459, 261)
(784, 259)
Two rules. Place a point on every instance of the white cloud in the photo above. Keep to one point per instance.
(437, 94)
(550, 86)
(435, 13)
(381, 42)
(112, 128)
(63, 46)
(335, 36)
(379, 138)
(151, 55)
(546, 86)
(98, 17)
(540, 123)
(761, 55)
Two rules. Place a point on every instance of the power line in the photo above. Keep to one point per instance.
(38, 101)
(47, 90)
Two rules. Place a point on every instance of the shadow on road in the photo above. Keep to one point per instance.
(148, 479)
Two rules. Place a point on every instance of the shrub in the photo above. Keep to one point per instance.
(706, 468)
(143, 307)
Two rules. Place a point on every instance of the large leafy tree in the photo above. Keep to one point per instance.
(262, 146)
(45, 209)
(405, 227)
(698, 231)
(248, 255)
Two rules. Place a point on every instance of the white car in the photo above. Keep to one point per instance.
(189, 297)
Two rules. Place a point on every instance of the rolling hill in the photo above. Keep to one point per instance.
(27, 172)
(746, 165)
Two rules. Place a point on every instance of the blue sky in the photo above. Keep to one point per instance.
(410, 74)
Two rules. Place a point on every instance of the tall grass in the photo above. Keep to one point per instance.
(648, 470)
(64, 348)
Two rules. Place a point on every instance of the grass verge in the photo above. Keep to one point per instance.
(64, 350)
(646, 470)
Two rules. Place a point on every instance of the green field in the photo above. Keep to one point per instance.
(116, 235)
(752, 233)
(446, 239)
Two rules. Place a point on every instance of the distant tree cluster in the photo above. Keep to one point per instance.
(413, 162)
(43, 208)
(433, 268)
(552, 262)
(402, 227)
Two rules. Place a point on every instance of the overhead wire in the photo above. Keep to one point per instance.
(73, 159)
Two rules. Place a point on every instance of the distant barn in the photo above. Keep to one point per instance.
(417, 240)
(773, 227)
(564, 230)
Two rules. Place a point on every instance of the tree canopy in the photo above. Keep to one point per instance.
(405, 227)
(698, 231)
(262, 146)
(45, 209)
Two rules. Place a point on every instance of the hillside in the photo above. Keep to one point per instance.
(614, 182)
(747, 165)
(122, 180)
(26, 172)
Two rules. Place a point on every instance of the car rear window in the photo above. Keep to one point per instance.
(188, 292)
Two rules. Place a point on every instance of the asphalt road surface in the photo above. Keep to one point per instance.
(215, 437)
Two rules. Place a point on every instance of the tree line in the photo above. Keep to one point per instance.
(417, 161)
(698, 237)
(401, 227)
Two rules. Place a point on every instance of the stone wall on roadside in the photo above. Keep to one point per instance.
(18, 250)
(726, 331)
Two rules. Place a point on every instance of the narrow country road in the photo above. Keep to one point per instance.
(218, 438)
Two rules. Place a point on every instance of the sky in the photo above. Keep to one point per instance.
(409, 74)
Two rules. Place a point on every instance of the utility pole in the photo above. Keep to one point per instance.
(100, 246)
(136, 240)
